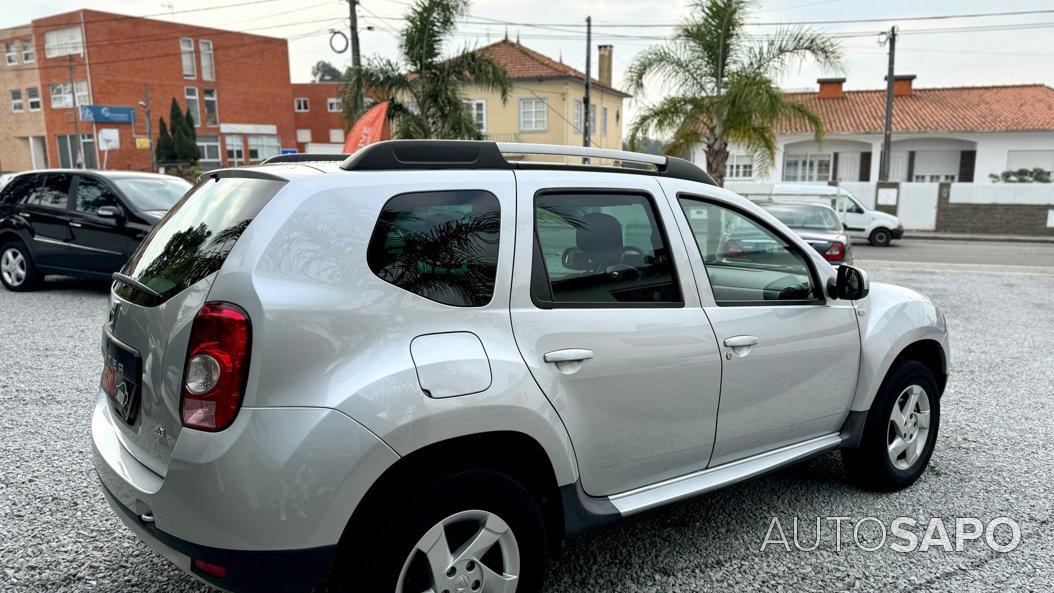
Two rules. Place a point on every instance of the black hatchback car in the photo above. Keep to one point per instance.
(78, 223)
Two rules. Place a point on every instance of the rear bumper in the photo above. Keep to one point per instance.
(280, 484)
(246, 571)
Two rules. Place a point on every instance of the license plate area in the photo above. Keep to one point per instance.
(121, 373)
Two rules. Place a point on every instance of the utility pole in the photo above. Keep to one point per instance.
(356, 59)
(585, 102)
(75, 155)
(149, 129)
(887, 135)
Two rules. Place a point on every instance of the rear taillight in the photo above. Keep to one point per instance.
(216, 367)
(835, 252)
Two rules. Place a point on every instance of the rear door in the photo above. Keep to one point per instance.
(98, 244)
(45, 207)
(607, 318)
(178, 260)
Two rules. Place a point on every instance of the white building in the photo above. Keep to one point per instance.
(959, 134)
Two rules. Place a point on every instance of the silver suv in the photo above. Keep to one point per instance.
(418, 369)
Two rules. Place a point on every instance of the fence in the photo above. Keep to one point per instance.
(983, 208)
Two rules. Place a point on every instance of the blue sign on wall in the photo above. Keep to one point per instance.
(108, 114)
(290, 151)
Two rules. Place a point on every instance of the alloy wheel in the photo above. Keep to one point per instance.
(13, 266)
(486, 558)
(909, 427)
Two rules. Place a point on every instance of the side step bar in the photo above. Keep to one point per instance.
(647, 497)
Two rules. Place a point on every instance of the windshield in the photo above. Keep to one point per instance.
(802, 216)
(152, 193)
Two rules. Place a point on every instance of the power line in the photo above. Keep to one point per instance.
(120, 17)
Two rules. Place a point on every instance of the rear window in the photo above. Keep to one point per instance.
(440, 245)
(804, 216)
(193, 240)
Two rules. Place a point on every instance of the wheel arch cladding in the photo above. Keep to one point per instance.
(929, 353)
(514, 453)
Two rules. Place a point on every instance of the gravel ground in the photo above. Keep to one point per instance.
(992, 459)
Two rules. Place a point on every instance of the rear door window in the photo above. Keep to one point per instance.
(440, 245)
(603, 250)
(50, 190)
(193, 240)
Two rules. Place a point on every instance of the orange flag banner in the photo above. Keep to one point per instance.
(372, 127)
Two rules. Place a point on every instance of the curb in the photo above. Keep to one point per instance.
(990, 238)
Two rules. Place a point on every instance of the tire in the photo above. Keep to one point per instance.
(881, 237)
(384, 556)
(871, 466)
(17, 271)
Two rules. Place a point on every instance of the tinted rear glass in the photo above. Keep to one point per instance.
(193, 240)
(804, 216)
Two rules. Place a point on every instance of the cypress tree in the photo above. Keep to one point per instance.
(166, 146)
(190, 125)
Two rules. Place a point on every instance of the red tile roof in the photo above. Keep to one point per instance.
(958, 109)
(523, 62)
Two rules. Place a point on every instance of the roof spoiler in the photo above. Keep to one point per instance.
(474, 154)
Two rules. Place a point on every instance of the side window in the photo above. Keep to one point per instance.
(602, 250)
(50, 189)
(440, 245)
(16, 190)
(844, 203)
(91, 195)
(745, 262)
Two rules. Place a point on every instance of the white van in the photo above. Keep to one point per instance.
(878, 228)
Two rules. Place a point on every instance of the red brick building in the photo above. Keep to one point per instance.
(236, 85)
(317, 113)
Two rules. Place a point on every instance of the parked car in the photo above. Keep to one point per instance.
(421, 367)
(77, 222)
(818, 224)
(878, 228)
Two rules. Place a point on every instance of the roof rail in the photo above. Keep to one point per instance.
(474, 154)
(304, 158)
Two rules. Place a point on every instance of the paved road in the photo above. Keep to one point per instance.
(965, 253)
(993, 459)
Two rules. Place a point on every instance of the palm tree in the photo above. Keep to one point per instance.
(723, 84)
(424, 87)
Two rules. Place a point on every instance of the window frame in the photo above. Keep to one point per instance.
(29, 48)
(545, 114)
(296, 104)
(18, 101)
(196, 112)
(59, 47)
(210, 73)
(339, 133)
(793, 247)
(331, 102)
(540, 272)
(186, 46)
(11, 51)
(303, 135)
(472, 104)
(30, 99)
(215, 107)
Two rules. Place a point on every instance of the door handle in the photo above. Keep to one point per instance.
(568, 361)
(75, 224)
(741, 341)
(568, 355)
(740, 345)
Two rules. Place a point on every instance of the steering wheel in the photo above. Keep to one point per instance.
(622, 271)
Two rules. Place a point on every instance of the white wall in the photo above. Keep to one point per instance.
(991, 149)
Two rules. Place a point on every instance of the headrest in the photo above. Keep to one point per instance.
(598, 233)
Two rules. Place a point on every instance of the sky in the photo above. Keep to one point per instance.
(937, 56)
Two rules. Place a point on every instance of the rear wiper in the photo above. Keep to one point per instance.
(123, 279)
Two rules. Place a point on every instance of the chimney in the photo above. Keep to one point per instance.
(831, 88)
(902, 84)
(604, 63)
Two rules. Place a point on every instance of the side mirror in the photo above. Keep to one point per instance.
(851, 285)
(111, 212)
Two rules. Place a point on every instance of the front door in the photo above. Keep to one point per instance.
(98, 244)
(791, 356)
(607, 318)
